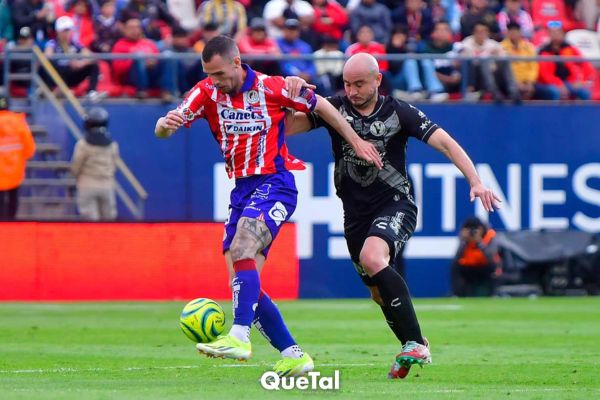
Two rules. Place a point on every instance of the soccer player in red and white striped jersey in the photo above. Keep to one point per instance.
(246, 114)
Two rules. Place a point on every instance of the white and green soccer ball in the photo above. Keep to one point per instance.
(202, 320)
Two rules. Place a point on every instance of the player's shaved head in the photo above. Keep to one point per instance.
(221, 62)
(361, 81)
(220, 45)
(361, 63)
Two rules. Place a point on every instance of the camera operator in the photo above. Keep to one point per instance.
(476, 262)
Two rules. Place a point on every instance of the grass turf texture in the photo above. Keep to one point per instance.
(546, 348)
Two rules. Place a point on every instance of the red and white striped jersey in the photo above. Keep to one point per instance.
(250, 125)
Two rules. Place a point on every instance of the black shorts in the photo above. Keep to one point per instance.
(394, 222)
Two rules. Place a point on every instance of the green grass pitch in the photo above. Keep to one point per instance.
(547, 348)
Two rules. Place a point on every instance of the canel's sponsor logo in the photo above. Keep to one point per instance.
(233, 114)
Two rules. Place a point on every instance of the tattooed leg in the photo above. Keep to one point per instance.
(251, 237)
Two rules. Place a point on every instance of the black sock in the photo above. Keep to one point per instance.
(395, 296)
(393, 323)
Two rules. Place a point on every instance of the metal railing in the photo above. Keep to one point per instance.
(462, 60)
(39, 59)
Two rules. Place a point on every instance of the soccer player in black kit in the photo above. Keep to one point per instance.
(380, 214)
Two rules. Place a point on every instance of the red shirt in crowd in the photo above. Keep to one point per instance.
(146, 46)
(373, 48)
(552, 73)
(247, 45)
(337, 17)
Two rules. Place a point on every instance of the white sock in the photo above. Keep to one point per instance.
(241, 332)
(292, 352)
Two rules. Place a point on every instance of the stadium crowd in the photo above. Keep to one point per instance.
(477, 28)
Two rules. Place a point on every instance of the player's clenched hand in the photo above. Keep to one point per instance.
(367, 152)
(293, 85)
(488, 198)
(169, 123)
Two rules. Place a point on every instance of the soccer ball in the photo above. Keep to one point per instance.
(202, 320)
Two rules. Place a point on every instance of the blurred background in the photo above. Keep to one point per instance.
(94, 207)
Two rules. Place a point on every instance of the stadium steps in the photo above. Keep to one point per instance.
(38, 132)
(50, 182)
(49, 200)
(47, 148)
(58, 166)
(48, 191)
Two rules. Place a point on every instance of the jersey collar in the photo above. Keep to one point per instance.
(378, 105)
(250, 77)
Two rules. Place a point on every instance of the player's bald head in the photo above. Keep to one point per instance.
(361, 80)
(360, 64)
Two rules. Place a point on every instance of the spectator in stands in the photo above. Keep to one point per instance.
(228, 15)
(291, 44)
(488, 75)
(80, 12)
(209, 31)
(476, 262)
(93, 165)
(330, 19)
(144, 73)
(407, 74)
(479, 11)
(447, 71)
(38, 15)
(559, 80)
(396, 77)
(152, 14)
(7, 33)
(366, 43)
(72, 71)
(276, 12)
(257, 41)
(372, 14)
(585, 11)
(106, 29)
(525, 72)
(16, 147)
(513, 12)
(417, 17)
(186, 12)
(189, 71)
(24, 41)
(449, 11)
(329, 72)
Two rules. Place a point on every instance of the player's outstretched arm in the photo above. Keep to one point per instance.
(363, 149)
(167, 125)
(443, 142)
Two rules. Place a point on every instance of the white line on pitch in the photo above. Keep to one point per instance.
(74, 370)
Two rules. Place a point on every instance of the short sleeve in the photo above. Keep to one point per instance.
(192, 107)
(305, 101)
(415, 122)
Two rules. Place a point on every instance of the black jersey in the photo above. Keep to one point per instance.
(362, 187)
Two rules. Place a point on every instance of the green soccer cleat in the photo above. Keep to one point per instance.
(294, 366)
(226, 347)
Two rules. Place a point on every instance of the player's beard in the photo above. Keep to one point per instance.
(365, 104)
